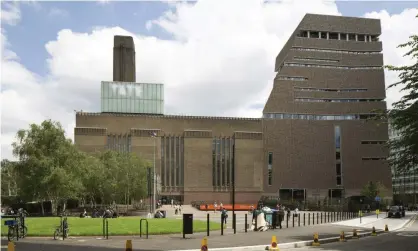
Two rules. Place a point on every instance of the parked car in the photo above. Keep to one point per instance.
(395, 211)
(402, 210)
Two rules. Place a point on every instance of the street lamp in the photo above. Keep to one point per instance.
(233, 188)
(154, 135)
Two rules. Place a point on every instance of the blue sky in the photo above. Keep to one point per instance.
(41, 22)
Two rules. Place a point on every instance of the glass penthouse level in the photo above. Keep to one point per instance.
(128, 97)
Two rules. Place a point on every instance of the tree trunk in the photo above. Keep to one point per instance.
(42, 208)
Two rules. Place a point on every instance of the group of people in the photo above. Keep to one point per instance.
(107, 213)
(177, 207)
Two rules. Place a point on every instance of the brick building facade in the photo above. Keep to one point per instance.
(315, 139)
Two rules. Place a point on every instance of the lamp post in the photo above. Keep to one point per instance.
(233, 186)
(154, 181)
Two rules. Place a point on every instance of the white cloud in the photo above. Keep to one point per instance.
(396, 30)
(10, 13)
(221, 62)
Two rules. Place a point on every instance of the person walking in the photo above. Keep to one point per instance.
(224, 215)
(215, 206)
(281, 216)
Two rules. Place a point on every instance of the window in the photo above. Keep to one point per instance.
(333, 35)
(269, 168)
(339, 183)
(313, 89)
(302, 34)
(373, 142)
(335, 51)
(343, 36)
(323, 35)
(338, 168)
(335, 66)
(340, 100)
(361, 38)
(352, 37)
(317, 116)
(314, 34)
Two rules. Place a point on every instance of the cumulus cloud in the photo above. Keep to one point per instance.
(219, 62)
(10, 13)
(396, 30)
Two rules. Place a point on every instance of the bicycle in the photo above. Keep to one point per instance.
(58, 231)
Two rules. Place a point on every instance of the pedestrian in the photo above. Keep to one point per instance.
(281, 216)
(215, 206)
(172, 203)
(224, 215)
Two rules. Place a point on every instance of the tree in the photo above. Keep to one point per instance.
(9, 178)
(48, 163)
(372, 189)
(404, 115)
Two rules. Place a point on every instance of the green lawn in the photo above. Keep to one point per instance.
(46, 226)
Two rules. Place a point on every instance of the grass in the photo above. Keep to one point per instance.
(45, 226)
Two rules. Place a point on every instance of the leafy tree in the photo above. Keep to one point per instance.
(47, 163)
(9, 178)
(372, 189)
(404, 115)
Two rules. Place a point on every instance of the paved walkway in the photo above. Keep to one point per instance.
(176, 242)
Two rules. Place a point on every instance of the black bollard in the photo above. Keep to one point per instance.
(207, 225)
(287, 220)
(293, 220)
(304, 218)
(317, 218)
(255, 225)
(107, 230)
(328, 216)
(309, 219)
(222, 225)
(313, 218)
(298, 219)
(235, 223)
(246, 225)
(321, 217)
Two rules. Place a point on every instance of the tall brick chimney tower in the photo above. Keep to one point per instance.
(123, 59)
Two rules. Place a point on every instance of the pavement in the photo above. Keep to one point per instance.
(251, 241)
(404, 239)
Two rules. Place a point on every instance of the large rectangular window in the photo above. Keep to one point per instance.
(338, 156)
(269, 169)
(222, 158)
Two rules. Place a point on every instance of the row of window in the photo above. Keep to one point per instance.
(222, 161)
(338, 36)
(172, 161)
(373, 142)
(340, 100)
(316, 59)
(119, 143)
(317, 117)
(270, 169)
(291, 78)
(338, 164)
(335, 51)
(313, 89)
(373, 158)
(336, 66)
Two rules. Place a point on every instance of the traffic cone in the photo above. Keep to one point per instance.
(386, 228)
(374, 231)
(273, 245)
(10, 246)
(342, 236)
(315, 240)
(128, 245)
(355, 235)
(204, 245)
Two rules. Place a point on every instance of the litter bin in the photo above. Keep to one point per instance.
(187, 224)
